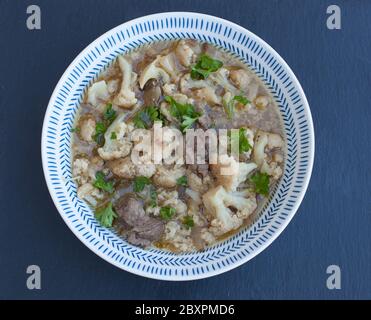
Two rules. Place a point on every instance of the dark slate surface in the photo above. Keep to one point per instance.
(332, 225)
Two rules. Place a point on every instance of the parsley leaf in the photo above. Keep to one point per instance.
(243, 142)
(185, 113)
(167, 213)
(140, 182)
(101, 182)
(182, 181)
(261, 182)
(153, 197)
(241, 99)
(113, 136)
(229, 106)
(145, 118)
(139, 122)
(110, 114)
(204, 66)
(187, 123)
(100, 130)
(188, 222)
(106, 215)
(77, 130)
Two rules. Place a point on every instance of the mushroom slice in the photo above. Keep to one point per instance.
(152, 93)
(153, 72)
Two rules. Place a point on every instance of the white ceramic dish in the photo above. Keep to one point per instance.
(239, 248)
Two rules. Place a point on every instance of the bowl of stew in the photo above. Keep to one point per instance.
(177, 146)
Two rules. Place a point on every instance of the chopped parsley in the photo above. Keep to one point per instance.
(204, 66)
(243, 142)
(101, 127)
(110, 114)
(101, 182)
(167, 213)
(185, 113)
(182, 181)
(144, 119)
(77, 130)
(188, 222)
(100, 130)
(229, 106)
(153, 197)
(241, 99)
(261, 183)
(140, 182)
(106, 215)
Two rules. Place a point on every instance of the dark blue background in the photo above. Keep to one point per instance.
(333, 223)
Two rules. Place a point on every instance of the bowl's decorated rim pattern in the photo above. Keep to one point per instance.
(284, 201)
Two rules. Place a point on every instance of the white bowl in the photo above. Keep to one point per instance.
(284, 200)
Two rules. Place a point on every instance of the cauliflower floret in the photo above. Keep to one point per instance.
(207, 236)
(80, 170)
(184, 53)
(198, 184)
(179, 236)
(169, 89)
(194, 195)
(230, 173)
(113, 86)
(84, 170)
(220, 77)
(121, 146)
(87, 128)
(218, 203)
(167, 176)
(265, 143)
(195, 212)
(152, 71)
(187, 84)
(195, 182)
(200, 89)
(98, 93)
(125, 168)
(207, 94)
(171, 199)
(168, 64)
(90, 194)
(126, 97)
(240, 78)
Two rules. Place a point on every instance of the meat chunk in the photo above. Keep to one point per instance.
(143, 229)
